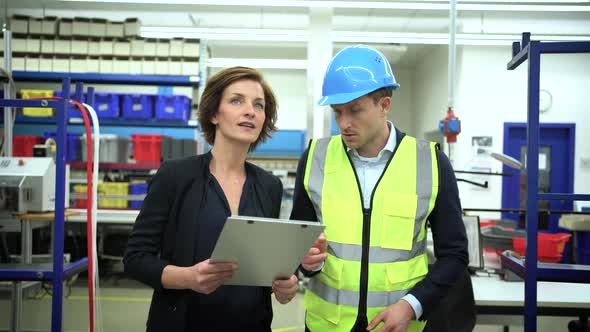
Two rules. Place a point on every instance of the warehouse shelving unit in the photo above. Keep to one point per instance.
(531, 270)
(57, 271)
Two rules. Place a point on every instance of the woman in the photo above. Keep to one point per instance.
(187, 204)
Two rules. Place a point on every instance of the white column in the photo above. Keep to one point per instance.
(319, 54)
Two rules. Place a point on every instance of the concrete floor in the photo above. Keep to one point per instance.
(125, 305)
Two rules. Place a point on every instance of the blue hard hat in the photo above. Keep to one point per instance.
(354, 72)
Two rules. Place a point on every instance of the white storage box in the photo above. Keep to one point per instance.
(115, 29)
(65, 27)
(61, 64)
(132, 27)
(149, 47)
(135, 66)
(19, 44)
(35, 26)
(18, 63)
(97, 27)
(81, 26)
(47, 45)
(78, 64)
(148, 66)
(33, 45)
(46, 63)
(190, 48)
(80, 45)
(106, 46)
(32, 63)
(121, 65)
(175, 67)
(122, 47)
(162, 66)
(19, 24)
(62, 46)
(94, 47)
(93, 64)
(49, 25)
(176, 46)
(137, 46)
(106, 65)
(190, 67)
(163, 48)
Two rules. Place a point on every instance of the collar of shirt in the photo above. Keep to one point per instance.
(385, 152)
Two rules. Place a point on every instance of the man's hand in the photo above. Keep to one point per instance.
(286, 289)
(316, 255)
(395, 318)
(206, 277)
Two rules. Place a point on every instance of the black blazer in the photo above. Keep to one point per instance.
(164, 232)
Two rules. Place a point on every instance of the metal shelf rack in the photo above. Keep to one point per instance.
(58, 271)
(531, 270)
(170, 80)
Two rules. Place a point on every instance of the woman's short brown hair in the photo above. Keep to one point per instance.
(209, 105)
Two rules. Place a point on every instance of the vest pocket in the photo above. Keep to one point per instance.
(399, 213)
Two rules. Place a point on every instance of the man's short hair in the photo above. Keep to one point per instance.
(380, 93)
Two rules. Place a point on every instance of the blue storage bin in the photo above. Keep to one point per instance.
(73, 145)
(73, 111)
(283, 143)
(175, 107)
(106, 105)
(137, 106)
(137, 189)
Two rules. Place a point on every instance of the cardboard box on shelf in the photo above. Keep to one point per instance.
(32, 63)
(62, 45)
(65, 26)
(115, 29)
(49, 26)
(132, 27)
(97, 27)
(81, 26)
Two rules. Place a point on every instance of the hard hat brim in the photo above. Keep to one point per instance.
(343, 98)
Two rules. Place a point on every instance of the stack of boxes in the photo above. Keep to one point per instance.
(87, 45)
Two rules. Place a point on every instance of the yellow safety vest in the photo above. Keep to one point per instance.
(402, 199)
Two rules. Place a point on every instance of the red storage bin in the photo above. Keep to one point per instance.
(147, 147)
(22, 145)
(550, 246)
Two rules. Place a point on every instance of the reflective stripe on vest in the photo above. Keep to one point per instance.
(396, 264)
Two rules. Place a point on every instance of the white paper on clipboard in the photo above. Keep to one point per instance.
(264, 248)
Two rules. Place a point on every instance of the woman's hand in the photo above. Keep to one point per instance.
(203, 277)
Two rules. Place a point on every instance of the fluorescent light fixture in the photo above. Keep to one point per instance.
(480, 5)
(285, 35)
(226, 34)
(257, 63)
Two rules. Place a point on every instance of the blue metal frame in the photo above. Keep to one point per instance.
(531, 51)
(58, 273)
(171, 80)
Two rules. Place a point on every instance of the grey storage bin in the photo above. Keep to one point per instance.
(113, 149)
(495, 237)
(177, 148)
(189, 147)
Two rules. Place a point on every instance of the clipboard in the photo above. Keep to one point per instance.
(264, 248)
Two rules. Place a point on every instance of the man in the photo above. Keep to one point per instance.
(375, 188)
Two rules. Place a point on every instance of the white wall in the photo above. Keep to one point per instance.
(289, 86)
(430, 90)
(401, 111)
(488, 95)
